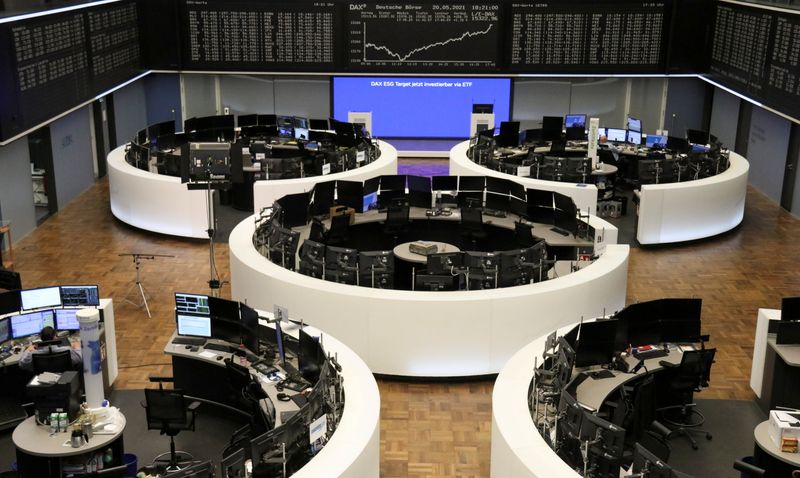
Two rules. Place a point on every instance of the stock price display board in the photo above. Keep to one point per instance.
(756, 51)
(587, 37)
(59, 60)
(415, 37)
(231, 35)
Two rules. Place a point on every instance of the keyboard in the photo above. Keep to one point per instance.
(5, 355)
(188, 341)
(218, 347)
(651, 354)
(559, 231)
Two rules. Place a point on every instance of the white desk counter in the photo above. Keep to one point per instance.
(685, 211)
(429, 334)
(584, 195)
(266, 192)
(154, 202)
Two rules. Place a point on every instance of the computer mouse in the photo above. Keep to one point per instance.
(219, 357)
(283, 397)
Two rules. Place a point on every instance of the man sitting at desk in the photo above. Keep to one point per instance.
(48, 334)
(621, 162)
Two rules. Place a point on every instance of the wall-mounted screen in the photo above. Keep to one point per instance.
(407, 107)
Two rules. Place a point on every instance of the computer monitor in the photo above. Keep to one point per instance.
(295, 209)
(192, 304)
(310, 357)
(376, 269)
(341, 258)
(488, 261)
(232, 465)
(655, 141)
(32, 323)
(444, 183)
(509, 134)
(696, 136)
(419, 191)
(323, 201)
(634, 124)
(616, 135)
(10, 302)
(318, 124)
(575, 121)
(199, 470)
(80, 295)
(678, 145)
(633, 137)
(5, 329)
(370, 201)
(436, 282)
(40, 298)
(572, 413)
(551, 128)
(350, 194)
(444, 262)
(223, 308)
(646, 462)
(596, 343)
(790, 308)
(67, 319)
(193, 325)
(247, 120)
(249, 327)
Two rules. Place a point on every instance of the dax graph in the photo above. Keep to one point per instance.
(413, 35)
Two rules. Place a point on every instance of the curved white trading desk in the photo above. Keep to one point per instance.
(354, 448)
(160, 203)
(584, 195)
(429, 334)
(675, 212)
(266, 192)
(154, 202)
(518, 449)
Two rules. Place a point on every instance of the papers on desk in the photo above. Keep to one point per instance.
(207, 354)
(45, 377)
(686, 348)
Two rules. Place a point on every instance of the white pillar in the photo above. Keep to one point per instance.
(89, 320)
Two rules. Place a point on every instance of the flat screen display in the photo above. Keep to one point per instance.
(656, 141)
(193, 325)
(575, 121)
(195, 304)
(80, 295)
(40, 298)
(9, 302)
(32, 323)
(616, 135)
(634, 124)
(66, 319)
(4, 329)
(409, 107)
(634, 137)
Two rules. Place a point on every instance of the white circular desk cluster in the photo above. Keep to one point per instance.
(160, 203)
(669, 212)
(422, 333)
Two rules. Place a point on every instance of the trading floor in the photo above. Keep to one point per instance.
(427, 429)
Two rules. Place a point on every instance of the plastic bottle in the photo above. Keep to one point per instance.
(108, 458)
(63, 422)
(54, 422)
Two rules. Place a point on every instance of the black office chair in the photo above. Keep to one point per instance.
(691, 375)
(55, 362)
(317, 233)
(339, 232)
(9, 280)
(472, 225)
(749, 469)
(169, 412)
(397, 220)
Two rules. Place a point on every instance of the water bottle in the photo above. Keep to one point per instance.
(54, 422)
(63, 422)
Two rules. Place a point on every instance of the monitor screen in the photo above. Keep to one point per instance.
(32, 323)
(596, 343)
(4, 329)
(634, 124)
(194, 304)
(656, 141)
(193, 325)
(575, 121)
(551, 127)
(370, 201)
(615, 134)
(10, 302)
(80, 295)
(420, 107)
(633, 137)
(696, 136)
(444, 183)
(301, 133)
(67, 319)
(40, 298)
(223, 308)
(790, 308)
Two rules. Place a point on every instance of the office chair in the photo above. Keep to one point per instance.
(472, 225)
(168, 411)
(55, 362)
(748, 469)
(9, 280)
(339, 232)
(246, 394)
(691, 375)
(397, 220)
(317, 233)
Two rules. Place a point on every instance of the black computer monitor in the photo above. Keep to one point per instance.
(249, 327)
(310, 357)
(790, 308)
(551, 128)
(232, 465)
(193, 304)
(324, 194)
(5, 329)
(205, 161)
(247, 120)
(376, 269)
(634, 124)
(295, 209)
(596, 343)
(40, 298)
(676, 144)
(350, 194)
(419, 191)
(607, 443)
(312, 250)
(509, 134)
(436, 282)
(340, 258)
(572, 413)
(633, 137)
(616, 135)
(575, 121)
(199, 470)
(66, 319)
(80, 295)
(644, 461)
(488, 261)
(10, 302)
(223, 308)
(696, 136)
(32, 323)
(444, 262)
(471, 183)
(444, 183)
(193, 325)
(318, 124)
(642, 321)
(655, 141)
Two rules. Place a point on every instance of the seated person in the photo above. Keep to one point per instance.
(621, 160)
(47, 334)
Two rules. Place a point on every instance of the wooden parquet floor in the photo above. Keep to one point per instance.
(427, 429)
